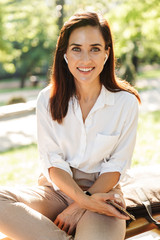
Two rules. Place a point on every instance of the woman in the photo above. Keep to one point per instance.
(87, 122)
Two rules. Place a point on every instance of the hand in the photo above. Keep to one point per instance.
(97, 203)
(68, 219)
(118, 196)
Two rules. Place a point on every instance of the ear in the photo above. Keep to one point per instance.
(65, 58)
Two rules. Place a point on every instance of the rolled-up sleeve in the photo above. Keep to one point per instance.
(121, 156)
(50, 153)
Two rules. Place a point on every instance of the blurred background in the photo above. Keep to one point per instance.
(28, 35)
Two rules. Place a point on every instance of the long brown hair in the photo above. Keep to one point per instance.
(62, 81)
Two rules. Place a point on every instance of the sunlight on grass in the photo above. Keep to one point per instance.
(12, 90)
(19, 166)
(154, 73)
(148, 139)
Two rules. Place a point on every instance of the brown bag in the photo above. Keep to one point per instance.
(141, 191)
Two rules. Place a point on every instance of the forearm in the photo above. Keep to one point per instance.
(105, 182)
(66, 184)
(95, 203)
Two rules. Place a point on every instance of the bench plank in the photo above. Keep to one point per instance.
(139, 226)
(152, 234)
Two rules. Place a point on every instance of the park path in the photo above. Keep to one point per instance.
(18, 125)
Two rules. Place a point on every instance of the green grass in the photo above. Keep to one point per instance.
(9, 80)
(148, 139)
(149, 74)
(2, 104)
(20, 165)
(10, 90)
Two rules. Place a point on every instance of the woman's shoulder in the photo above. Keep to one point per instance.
(126, 97)
(45, 91)
(44, 94)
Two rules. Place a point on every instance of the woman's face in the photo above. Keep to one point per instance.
(86, 54)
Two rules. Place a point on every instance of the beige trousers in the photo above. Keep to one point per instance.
(27, 213)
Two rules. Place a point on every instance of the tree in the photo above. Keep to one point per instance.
(136, 28)
(60, 13)
(135, 25)
(5, 45)
(29, 37)
(32, 36)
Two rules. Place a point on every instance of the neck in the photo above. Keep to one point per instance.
(87, 93)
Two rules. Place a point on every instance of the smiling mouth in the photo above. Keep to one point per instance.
(85, 69)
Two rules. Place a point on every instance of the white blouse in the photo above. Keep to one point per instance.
(104, 143)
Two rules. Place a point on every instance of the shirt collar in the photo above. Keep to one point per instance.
(105, 98)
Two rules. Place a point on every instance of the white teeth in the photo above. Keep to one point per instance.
(85, 69)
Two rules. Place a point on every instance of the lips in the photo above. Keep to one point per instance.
(85, 69)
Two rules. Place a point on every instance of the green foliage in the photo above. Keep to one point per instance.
(31, 33)
(136, 28)
(5, 45)
(29, 30)
(135, 25)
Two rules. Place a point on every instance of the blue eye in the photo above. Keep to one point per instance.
(95, 49)
(76, 49)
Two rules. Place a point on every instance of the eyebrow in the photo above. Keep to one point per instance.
(79, 45)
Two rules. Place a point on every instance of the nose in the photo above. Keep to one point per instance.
(85, 57)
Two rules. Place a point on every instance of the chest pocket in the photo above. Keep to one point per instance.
(104, 145)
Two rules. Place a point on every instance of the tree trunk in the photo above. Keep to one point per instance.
(22, 81)
(60, 8)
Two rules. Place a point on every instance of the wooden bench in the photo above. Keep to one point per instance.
(149, 235)
(136, 229)
(141, 225)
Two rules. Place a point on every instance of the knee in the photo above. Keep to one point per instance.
(6, 199)
(6, 194)
(96, 226)
(2, 193)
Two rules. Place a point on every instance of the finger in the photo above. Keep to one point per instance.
(117, 197)
(60, 225)
(121, 203)
(65, 227)
(121, 215)
(71, 230)
(116, 213)
(106, 196)
(56, 221)
(114, 196)
(119, 200)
